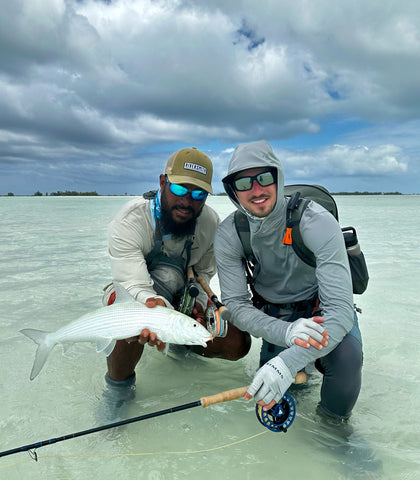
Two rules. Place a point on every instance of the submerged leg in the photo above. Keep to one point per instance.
(123, 360)
(342, 370)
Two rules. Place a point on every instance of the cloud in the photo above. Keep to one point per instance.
(104, 82)
(344, 160)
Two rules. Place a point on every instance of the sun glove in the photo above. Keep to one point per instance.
(271, 381)
(303, 328)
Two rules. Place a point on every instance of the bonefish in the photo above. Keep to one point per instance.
(124, 319)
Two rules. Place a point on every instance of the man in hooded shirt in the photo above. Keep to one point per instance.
(292, 302)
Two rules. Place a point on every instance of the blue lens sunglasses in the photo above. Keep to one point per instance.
(181, 191)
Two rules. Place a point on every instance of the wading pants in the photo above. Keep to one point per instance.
(341, 368)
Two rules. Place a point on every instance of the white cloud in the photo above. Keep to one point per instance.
(344, 160)
(87, 78)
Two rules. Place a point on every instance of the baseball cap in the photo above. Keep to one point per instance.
(189, 165)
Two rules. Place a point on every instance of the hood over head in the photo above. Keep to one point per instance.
(253, 155)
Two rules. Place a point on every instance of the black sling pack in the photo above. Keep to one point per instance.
(301, 195)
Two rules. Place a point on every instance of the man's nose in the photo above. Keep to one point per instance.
(186, 199)
(256, 188)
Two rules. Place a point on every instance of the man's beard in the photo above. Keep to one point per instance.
(177, 229)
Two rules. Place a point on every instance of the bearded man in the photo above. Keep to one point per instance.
(153, 241)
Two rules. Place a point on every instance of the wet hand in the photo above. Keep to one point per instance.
(146, 336)
(307, 332)
(153, 301)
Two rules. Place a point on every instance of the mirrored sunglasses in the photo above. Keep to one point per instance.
(181, 191)
(245, 183)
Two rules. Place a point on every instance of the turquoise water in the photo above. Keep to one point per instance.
(53, 264)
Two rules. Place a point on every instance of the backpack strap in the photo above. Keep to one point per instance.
(244, 234)
(242, 229)
(295, 208)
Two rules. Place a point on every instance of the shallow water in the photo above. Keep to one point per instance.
(53, 267)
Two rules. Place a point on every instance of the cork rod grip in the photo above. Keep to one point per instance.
(236, 393)
(226, 396)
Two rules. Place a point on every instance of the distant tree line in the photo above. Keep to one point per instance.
(67, 193)
(366, 193)
(340, 193)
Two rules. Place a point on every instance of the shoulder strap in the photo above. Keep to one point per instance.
(295, 209)
(251, 266)
(154, 255)
(242, 229)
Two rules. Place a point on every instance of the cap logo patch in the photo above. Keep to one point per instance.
(195, 168)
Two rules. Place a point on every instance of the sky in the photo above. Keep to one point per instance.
(96, 95)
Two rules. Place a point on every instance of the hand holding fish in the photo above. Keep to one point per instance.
(120, 321)
(146, 336)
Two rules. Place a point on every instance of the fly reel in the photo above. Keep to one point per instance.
(280, 417)
(216, 325)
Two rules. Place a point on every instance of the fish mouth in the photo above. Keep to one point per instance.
(207, 339)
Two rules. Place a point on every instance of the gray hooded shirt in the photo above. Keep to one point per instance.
(283, 276)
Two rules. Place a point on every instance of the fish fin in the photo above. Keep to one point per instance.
(39, 337)
(166, 349)
(105, 345)
(121, 294)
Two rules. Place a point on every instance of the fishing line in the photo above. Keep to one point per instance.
(278, 419)
(138, 454)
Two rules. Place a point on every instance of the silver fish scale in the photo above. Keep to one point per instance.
(124, 320)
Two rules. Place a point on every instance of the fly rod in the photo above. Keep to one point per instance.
(204, 402)
(278, 419)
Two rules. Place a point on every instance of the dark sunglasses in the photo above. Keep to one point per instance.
(181, 191)
(245, 183)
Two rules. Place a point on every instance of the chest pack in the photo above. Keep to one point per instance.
(168, 273)
(300, 196)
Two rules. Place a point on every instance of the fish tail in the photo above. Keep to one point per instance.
(44, 349)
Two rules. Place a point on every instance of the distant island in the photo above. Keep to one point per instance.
(366, 193)
(349, 193)
(67, 193)
(73, 193)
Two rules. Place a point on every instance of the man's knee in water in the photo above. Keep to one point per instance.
(240, 345)
(342, 378)
(232, 347)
